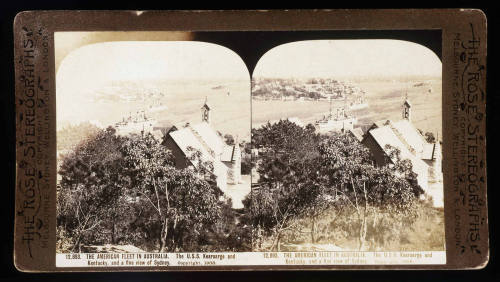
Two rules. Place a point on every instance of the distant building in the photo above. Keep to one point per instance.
(425, 157)
(226, 159)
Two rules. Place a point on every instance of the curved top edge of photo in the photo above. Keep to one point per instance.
(376, 58)
(126, 73)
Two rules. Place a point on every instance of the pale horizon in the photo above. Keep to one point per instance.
(348, 58)
(102, 83)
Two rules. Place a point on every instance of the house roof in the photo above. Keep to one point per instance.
(209, 136)
(379, 123)
(386, 136)
(358, 133)
(205, 139)
(205, 106)
(410, 135)
(184, 138)
(158, 134)
(406, 137)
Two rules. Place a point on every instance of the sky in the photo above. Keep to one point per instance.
(92, 68)
(86, 69)
(67, 41)
(344, 58)
(138, 60)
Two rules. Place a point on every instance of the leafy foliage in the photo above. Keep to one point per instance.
(304, 174)
(229, 139)
(89, 199)
(430, 138)
(287, 180)
(126, 190)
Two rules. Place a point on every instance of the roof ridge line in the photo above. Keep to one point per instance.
(202, 142)
(400, 137)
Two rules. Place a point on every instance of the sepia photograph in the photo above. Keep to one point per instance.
(153, 145)
(170, 146)
(346, 147)
(250, 140)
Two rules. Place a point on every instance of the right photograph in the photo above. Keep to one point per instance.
(346, 147)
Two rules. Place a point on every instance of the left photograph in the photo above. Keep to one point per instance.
(153, 144)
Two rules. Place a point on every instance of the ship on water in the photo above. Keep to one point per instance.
(138, 123)
(341, 121)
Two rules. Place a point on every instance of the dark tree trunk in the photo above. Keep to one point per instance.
(163, 239)
(362, 232)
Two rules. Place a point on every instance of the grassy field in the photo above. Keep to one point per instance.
(384, 102)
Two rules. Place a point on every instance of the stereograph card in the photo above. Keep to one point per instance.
(250, 140)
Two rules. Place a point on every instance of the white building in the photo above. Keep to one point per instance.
(425, 157)
(226, 159)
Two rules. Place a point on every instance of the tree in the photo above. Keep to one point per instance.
(182, 202)
(276, 203)
(126, 190)
(351, 179)
(90, 190)
(303, 174)
(228, 138)
(429, 137)
(287, 174)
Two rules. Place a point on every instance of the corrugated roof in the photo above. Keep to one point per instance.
(386, 136)
(411, 136)
(210, 137)
(358, 133)
(379, 123)
(184, 138)
(158, 134)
